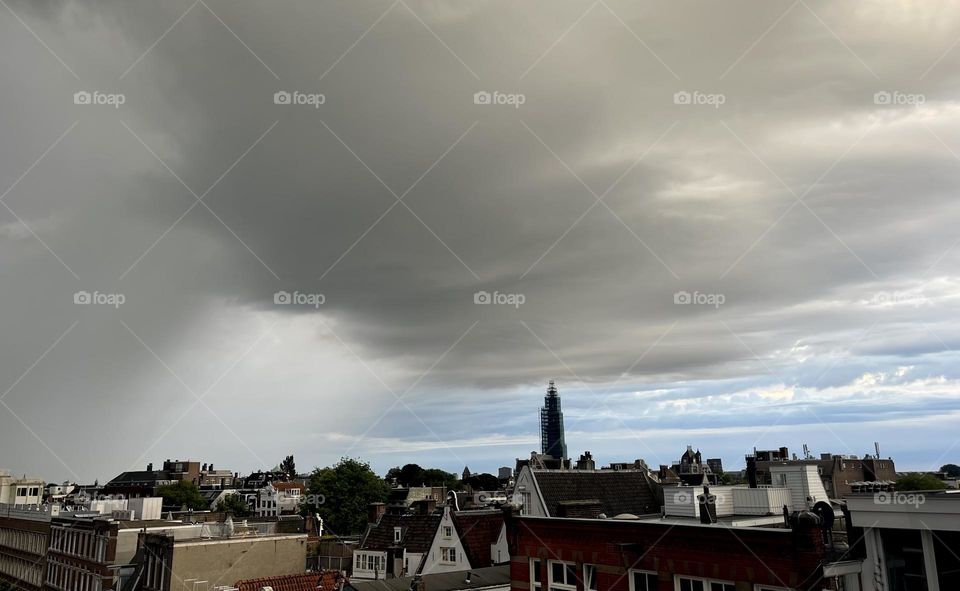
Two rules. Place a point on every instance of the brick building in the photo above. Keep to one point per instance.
(555, 554)
(23, 548)
(840, 473)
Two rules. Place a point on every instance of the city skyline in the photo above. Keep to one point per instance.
(238, 230)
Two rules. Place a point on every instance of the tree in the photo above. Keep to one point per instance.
(415, 475)
(288, 467)
(919, 481)
(438, 477)
(342, 493)
(235, 505)
(182, 493)
(952, 470)
(483, 482)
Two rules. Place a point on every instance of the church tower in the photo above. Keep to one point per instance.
(551, 425)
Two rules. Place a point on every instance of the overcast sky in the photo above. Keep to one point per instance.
(723, 224)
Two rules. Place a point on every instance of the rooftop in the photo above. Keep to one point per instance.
(480, 578)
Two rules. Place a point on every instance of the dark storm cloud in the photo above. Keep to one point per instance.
(494, 198)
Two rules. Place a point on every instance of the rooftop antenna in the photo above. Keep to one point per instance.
(806, 452)
(876, 447)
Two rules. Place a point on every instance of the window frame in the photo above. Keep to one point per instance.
(568, 568)
(536, 572)
(638, 571)
(448, 554)
(587, 566)
(707, 583)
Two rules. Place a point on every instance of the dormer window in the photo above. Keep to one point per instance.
(397, 535)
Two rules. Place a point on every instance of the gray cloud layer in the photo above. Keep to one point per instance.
(824, 219)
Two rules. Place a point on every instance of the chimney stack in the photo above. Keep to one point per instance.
(375, 511)
(752, 471)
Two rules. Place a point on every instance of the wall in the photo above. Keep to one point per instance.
(761, 501)
(526, 488)
(682, 501)
(223, 562)
(23, 546)
(434, 562)
(746, 556)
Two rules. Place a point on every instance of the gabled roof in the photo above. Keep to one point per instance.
(616, 491)
(326, 580)
(478, 530)
(417, 532)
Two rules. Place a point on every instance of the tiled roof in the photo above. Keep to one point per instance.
(329, 580)
(617, 491)
(417, 532)
(288, 486)
(141, 476)
(478, 531)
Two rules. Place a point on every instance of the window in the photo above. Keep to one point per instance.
(526, 500)
(536, 577)
(643, 581)
(563, 575)
(590, 577)
(448, 554)
(697, 584)
(685, 584)
(397, 535)
(447, 531)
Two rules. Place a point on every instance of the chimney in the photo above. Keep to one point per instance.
(752, 471)
(203, 468)
(708, 506)
(425, 506)
(375, 511)
(150, 467)
(586, 462)
(211, 467)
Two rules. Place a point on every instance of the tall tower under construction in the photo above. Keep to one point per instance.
(551, 425)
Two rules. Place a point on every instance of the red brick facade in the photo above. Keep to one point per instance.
(745, 557)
